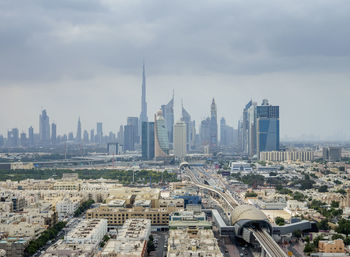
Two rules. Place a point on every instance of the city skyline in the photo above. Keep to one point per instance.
(72, 128)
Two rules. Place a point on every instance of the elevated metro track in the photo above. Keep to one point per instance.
(267, 243)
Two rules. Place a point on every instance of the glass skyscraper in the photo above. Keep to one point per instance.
(268, 127)
(161, 142)
(147, 138)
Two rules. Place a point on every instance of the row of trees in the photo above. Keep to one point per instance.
(83, 207)
(47, 235)
(124, 176)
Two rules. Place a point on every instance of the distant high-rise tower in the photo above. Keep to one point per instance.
(190, 129)
(134, 122)
(204, 132)
(129, 143)
(78, 138)
(147, 143)
(53, 134)
(248, 129)
(223, 134)
(99, 132)
(44, 128)
(168, 113)
(180, 140)
(31, 136)
(13, 137)
(143, 115)
(23, 139)
(213, 127)
(161, 142)
(92, 136)
(86, 137)
(120, 135)
(268, 127)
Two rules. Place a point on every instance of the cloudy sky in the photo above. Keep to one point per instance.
(84, 58)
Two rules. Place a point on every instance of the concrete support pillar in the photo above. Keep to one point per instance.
(262, 253)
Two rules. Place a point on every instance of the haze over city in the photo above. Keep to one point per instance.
(84, 59)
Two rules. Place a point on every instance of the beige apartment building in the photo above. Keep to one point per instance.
(117, 216)
(193, 242)
(336, 246)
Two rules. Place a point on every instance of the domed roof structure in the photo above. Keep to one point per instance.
(247, 212)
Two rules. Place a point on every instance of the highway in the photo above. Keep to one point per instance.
(267, 243)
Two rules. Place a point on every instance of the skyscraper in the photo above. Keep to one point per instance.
(120, 135)
(147, 143)
(134, 122)
(31, 136)
(92, 136)
(213, 127)
(180, 140)
(190, 129)
(248, 129)
(78, 137)
(44, 128)
(129, 143)
(23, 139)
(204, 132)
(13, 137)
(226, 133)
(86, 137)
(161, 142)
(53, 134)
(168, 113)
(223, 139)
(99, 133)
(268, 127)
(143, 115)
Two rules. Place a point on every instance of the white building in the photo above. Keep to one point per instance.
(294, 205)
(67, 207)
(131, 241)
(180, 140)
(281, 156)
(87, 232)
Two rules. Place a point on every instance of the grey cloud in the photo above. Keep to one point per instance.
(52, 39)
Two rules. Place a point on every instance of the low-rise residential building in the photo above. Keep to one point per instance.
(87, 232)
(131, 241)
(67, 207)
(336, 246)
(185, 219)
(61, 248)
(13, 246)
(193, 242)
(117, 216)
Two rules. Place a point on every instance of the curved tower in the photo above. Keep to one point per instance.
(161, 142)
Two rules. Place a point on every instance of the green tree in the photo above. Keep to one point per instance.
(280, 221)
(323, 189)
(309, 248)
(150, 246)
(251, 194)
(338, 236)
(335, 204)
(323, 225)
(343, 227)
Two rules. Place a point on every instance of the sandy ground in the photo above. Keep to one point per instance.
(272, 214)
